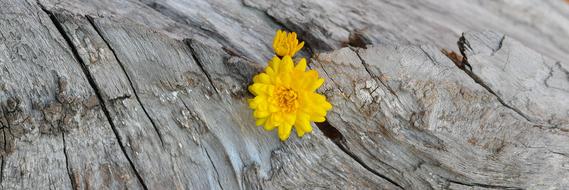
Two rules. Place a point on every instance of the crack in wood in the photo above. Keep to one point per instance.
(201, 66)
(69, 171)
(338, 139)
(3, 157)
(205, 31)
(550, 74)
(299, 30)
(463, 44)
(92, 22)
(119, 98)
(214, 168)
(377, 78)
(5, 127)
(488, 186)
(331, 132)
(65, 154)
(358, 39)
(428, 56)
(500, 44)
(331, 78)
(95, 88)
(2, 173)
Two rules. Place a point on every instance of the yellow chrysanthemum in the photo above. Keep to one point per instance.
(285, 97)
(286, 44)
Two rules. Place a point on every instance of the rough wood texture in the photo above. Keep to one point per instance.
(124, 94)
(244, 26)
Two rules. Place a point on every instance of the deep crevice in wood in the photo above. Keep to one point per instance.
(92, 22)
(337, 138)
(454, 57)
(95, 88)
(358, 39)
(331, 132)
(2, 172)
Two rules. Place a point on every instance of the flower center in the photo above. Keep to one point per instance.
(286, 99)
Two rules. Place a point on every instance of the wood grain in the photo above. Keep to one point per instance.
(148, 94)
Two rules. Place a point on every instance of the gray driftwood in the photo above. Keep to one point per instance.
(124, 94)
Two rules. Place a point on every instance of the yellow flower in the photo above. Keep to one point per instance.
(285, 97)
(286, 44)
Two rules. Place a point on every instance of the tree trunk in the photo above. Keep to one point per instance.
(125, 94)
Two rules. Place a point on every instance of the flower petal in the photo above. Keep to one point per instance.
(302, 127)
(299, 46)
(301, 65)
(274, 63)
(269, 125)
(260, 121)
(284, 132)
(290, 119)
(286, 64)
(316, 84)
(260, 114)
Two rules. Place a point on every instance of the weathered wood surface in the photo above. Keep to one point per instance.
(128, 94)
(244, 26)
